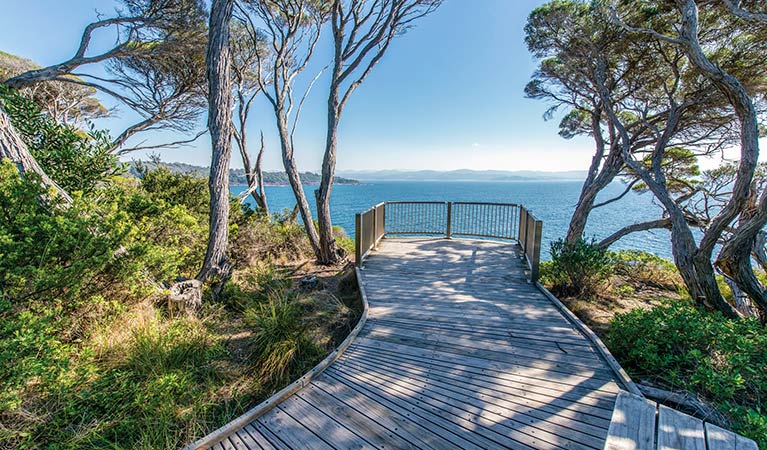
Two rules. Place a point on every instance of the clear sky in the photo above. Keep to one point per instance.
(448, 94)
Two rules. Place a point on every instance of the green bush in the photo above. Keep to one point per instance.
(578, 268)
(77, 160)
(170, 188)
(49, 250)
(646, 268)
(680, 346)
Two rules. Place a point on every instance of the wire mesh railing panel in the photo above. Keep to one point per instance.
(489, 220)
(416, 218)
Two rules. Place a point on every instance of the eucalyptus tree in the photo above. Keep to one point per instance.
(248, 48)
(567, 36)
(733, 66)
(216, 264)
(155, 67)
(648, 96)
(66, 103)
(291, 30)
(581, 49)
(363, 31)
(166, 88)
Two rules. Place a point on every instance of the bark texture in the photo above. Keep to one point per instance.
(216, 263)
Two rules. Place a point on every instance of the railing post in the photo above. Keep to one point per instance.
(522, 233)
(535, 258)
(357, 237)
(449, 219)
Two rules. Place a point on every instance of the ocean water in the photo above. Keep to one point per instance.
(551, 201)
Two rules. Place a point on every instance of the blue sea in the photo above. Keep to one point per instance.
(551, 201)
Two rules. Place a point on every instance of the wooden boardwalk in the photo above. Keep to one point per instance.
(458, 351)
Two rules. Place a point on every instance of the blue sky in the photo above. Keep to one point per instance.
(448, 94)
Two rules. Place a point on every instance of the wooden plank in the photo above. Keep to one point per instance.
(422, 428)
(439, 424)
(592, 415)
(540, 366)
(719, 438)
(517, 351)
(507, 370)
(315, 419)
(743, 443)
(633, 424)
(569, 343)
(470, 419)
(290, 431)
(261, 440)
(599, 404)
(353, 413)
(678, 431)
(502, 410)
(239, 444)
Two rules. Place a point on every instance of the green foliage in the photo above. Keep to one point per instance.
(684, 347)
(258, 239)
(52, 251)
(578, 268)
(166, 187)
(284, 350)
(77, 160)
(646, 268)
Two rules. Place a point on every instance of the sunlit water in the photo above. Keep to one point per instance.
(553, 202)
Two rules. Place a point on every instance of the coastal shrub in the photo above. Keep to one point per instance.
(680, 346)
(48, 250)
(78, 160)
(646, 268)
(283, 348)
(173, 188)
(258, 238)
(579, 267)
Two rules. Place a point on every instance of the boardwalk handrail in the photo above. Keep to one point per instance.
(369, 229)
(529, 237)
(503, 221)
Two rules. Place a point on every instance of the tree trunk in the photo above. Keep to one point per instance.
(734, 261)
(330, 253)
(294, 178)
(589, 193)
(14, 148)
(741, 300)
(216, 263)
(746, 113)
(596, 180)
(635, 228)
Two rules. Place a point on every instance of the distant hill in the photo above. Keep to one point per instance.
(237, 176)
(464, 175)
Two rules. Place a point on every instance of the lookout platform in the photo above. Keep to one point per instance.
(458, 349)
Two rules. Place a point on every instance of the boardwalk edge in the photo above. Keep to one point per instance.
(268, 404)
(600, 346)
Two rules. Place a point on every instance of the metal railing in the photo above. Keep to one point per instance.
(529, 237)
(369, 229)
(504, 221)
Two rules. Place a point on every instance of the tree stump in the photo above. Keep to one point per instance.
(185, 296)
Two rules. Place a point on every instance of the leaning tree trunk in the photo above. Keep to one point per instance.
(216, 263)
(734, 260)
(330, 253)
(294, 178)
(14, 148)
(589, 193)
(744, 110)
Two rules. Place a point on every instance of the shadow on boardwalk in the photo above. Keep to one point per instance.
(459, 351)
